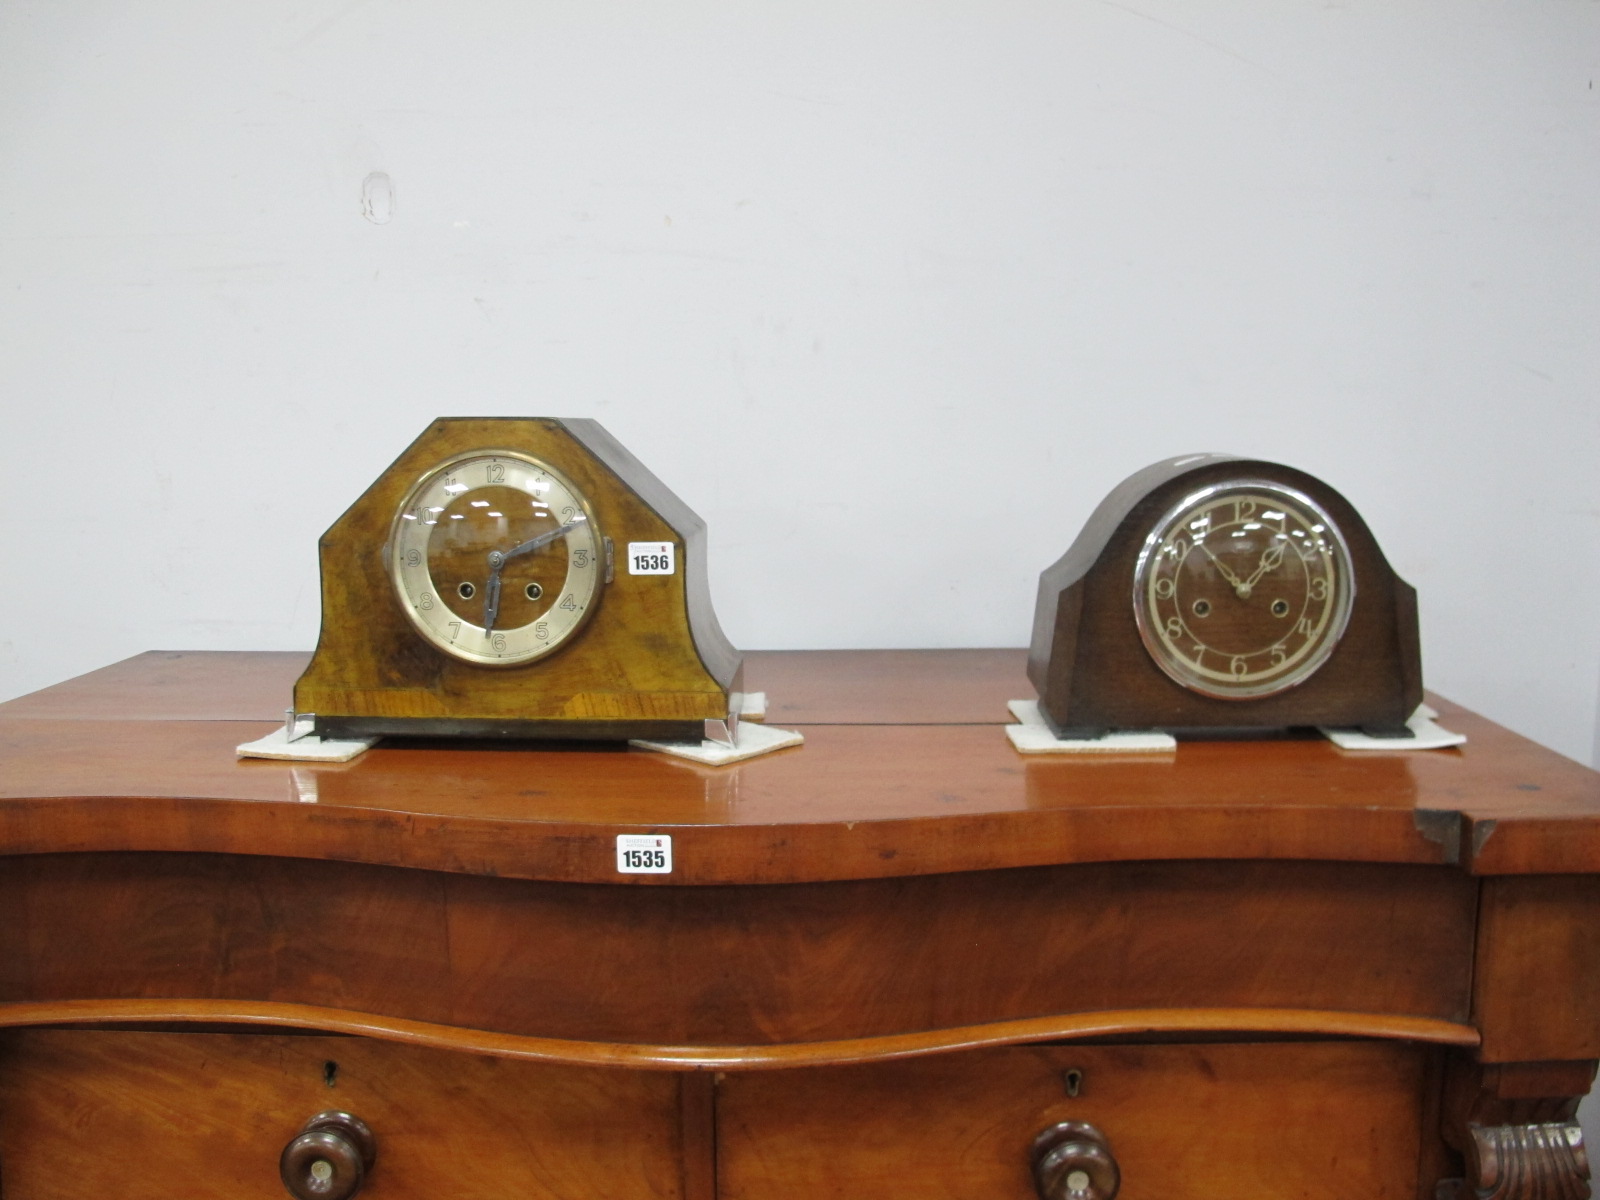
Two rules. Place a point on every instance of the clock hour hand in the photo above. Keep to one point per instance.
(1271, 558)
(532, 544)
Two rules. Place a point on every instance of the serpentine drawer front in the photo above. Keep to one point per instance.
(1265, 1121)
(207, 1116)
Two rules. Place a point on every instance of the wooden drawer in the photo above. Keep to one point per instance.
(88, 1114)
(1268, 1121)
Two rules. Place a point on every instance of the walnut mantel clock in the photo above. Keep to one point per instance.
(1219, 593)
(517, 577)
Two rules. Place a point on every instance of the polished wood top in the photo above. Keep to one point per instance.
(904, 772)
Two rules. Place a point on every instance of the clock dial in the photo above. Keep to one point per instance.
(496, 559)
(1243, 590)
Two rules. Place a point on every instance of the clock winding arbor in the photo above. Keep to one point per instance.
(1144, 625)
(403, 653)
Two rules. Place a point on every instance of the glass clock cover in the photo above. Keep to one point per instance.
(496, 558)
(1242, 589)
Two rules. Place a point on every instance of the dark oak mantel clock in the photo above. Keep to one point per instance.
(517, 577)
(1214, 594)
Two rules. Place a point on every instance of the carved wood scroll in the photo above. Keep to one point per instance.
(1514, 1125)
(1529, 1162)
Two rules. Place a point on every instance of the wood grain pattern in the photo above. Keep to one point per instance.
(1524, 1093)
(206, 1115)
(738, 965)
(651, 662)
(1093, 671)
(1538, 972)
(697, 1111)
(853, 802)
(1212, 1122)
(856, 801)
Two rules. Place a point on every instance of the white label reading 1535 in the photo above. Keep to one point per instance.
(644, 854)
(652, 558)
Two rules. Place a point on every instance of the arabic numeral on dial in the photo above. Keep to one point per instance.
(567, 513)
(1174, 627)
(541, 630)
(413, 558)
(1319, 588)
(1238, 666)
(1278, 656)
(495, 472)
(569, 603)
(498, 641)
(1243, 510)
(1304, 627)
(425, 601)
(1165, 588)
(455, 628)
(580, 558)
(1178, 548)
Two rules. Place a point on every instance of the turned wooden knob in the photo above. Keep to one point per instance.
(329, 1158)
(1071, 1161)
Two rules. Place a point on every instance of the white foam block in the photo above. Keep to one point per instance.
(753, 740)
(1427, 733)
(309, 748)
(1034, 736)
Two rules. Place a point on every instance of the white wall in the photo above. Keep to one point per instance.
(891, 293)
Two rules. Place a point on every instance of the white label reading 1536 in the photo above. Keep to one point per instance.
(652, 558)
(644, 854)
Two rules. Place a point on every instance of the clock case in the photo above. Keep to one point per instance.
(1092, 670)
(651, 662)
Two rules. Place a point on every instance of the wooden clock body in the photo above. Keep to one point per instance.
(650, 662)
(1092, 670)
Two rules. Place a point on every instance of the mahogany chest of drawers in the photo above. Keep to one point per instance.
(901, 959)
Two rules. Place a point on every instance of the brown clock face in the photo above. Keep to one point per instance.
(495, 558)
(1242, 590)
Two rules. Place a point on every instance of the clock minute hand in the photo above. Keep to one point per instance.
(1226, 571)
(491, 601)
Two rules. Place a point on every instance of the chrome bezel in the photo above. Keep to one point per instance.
(1297, 668)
